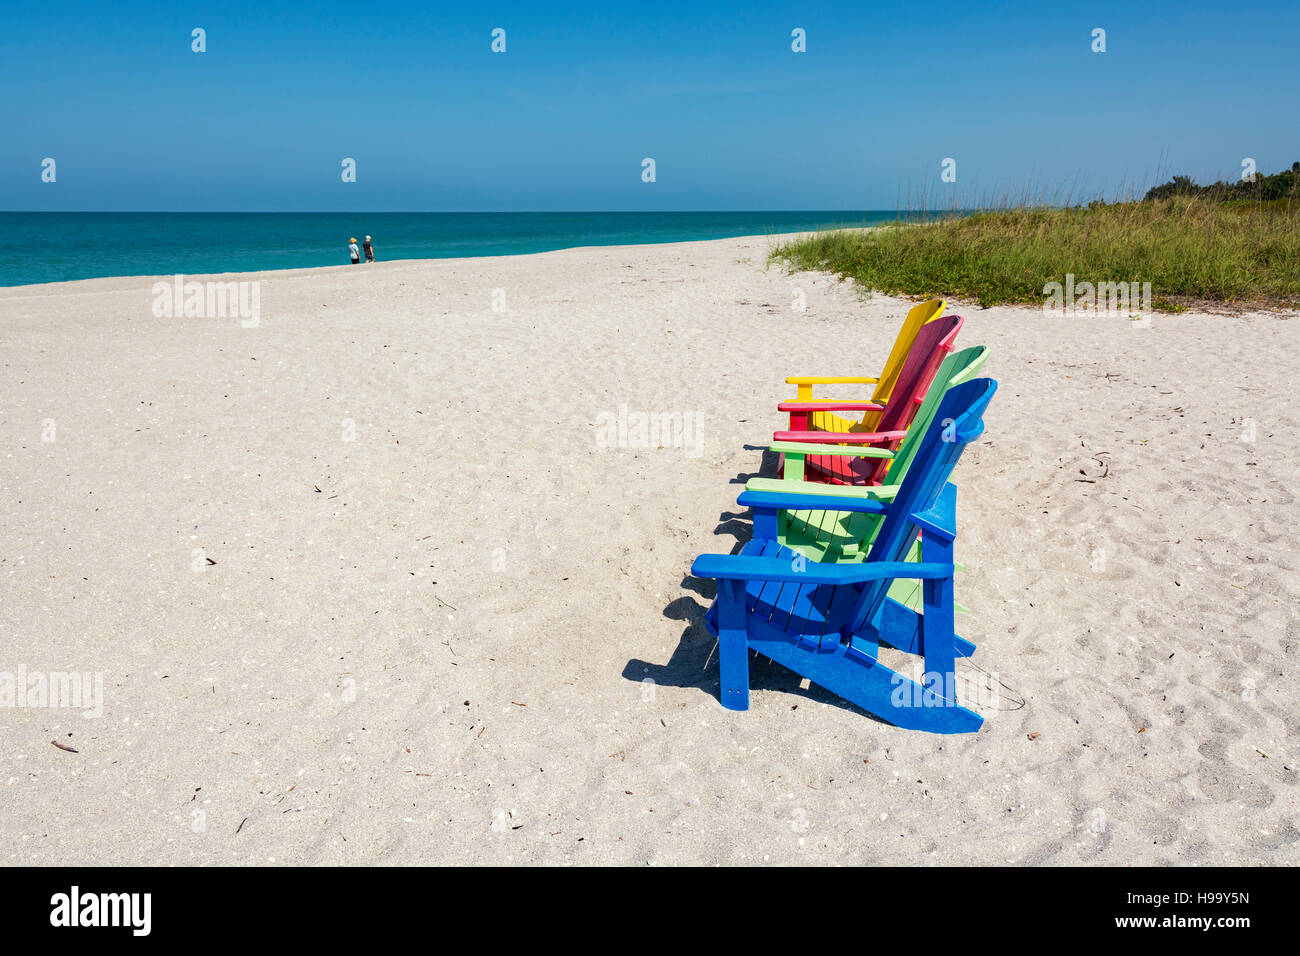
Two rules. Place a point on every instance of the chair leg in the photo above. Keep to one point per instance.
(733, 645)
(938, 642)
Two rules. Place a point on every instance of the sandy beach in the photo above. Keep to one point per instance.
(374, 581)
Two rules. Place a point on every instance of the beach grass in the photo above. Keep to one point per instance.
(1192, 249)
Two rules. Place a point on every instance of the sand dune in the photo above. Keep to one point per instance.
(444, 653)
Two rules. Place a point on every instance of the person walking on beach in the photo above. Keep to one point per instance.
(352, 249)
(370, 250)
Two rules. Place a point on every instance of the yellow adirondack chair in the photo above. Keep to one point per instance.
(917, 316)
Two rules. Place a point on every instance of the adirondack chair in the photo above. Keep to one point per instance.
(883, 426)
(827, 622)
(846, 536)
(917, 316)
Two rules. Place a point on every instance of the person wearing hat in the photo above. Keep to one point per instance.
(353, 251)
(370, 250)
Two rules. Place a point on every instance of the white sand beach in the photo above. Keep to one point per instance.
(438, 597)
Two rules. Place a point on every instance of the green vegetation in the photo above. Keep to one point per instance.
(1283, 185)
(1219, 243)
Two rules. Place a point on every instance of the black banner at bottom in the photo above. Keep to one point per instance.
(302, 905)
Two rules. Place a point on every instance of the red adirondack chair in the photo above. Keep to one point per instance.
(883, 425)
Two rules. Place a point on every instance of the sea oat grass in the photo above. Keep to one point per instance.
(1190, 248)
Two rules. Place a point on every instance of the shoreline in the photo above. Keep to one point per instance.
(296, 271)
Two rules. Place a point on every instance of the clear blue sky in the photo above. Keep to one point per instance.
(561, 121)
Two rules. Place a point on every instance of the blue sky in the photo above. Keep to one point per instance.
(561, 121)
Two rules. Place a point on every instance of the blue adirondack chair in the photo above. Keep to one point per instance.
(827, 621)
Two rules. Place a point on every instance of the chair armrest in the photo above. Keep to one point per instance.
(830, 406)
(800, 448)
(739, 567)
(830, 438)
(805, 489)
(805, 383)
(783, 500)
(824, 380)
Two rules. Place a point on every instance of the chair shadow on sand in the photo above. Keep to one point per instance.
(694, 663)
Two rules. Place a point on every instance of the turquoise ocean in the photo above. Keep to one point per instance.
(59, 246)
